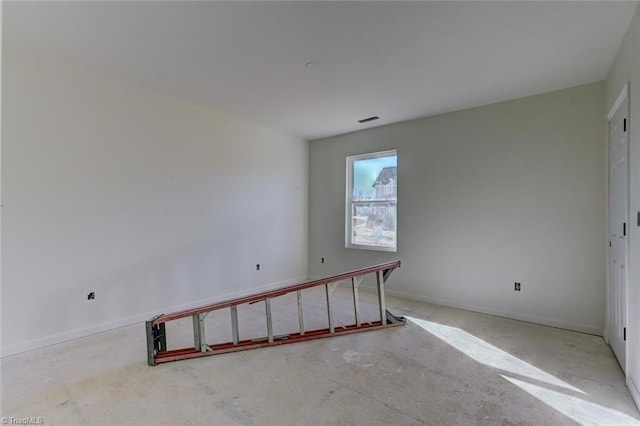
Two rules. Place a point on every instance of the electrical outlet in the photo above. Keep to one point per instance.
(91, 295)
(517, 286)
(257, 267)
(322, 260)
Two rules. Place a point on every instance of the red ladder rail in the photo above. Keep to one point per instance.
(157, 351)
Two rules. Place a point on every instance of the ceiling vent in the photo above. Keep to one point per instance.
(366, 120)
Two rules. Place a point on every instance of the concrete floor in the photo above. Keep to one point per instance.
(445, 367)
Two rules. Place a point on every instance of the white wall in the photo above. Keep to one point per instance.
(150, 202)
(487, 196)
(626, 68)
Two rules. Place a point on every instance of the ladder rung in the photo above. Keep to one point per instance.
(300, 313)
(267, 305)
(235, 335)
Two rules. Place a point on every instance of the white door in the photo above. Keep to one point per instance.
(618, 230)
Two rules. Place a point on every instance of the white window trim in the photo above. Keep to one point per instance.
(349, 203)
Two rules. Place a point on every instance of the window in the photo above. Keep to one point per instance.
(372, 196)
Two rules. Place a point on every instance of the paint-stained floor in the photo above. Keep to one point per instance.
(445, 367)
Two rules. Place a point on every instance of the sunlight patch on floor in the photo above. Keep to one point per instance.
(487, 354)
(578, 409)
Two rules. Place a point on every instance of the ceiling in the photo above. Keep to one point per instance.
(396, 60)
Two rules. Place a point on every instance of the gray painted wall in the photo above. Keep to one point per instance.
(151, 202)
(488, 196)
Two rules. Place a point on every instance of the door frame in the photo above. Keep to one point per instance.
(623, 96)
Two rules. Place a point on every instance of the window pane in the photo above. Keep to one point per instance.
(375, 178)
(372, 200)
(374, 224)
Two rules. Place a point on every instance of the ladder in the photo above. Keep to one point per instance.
(156, 330)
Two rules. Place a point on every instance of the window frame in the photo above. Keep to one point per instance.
(349, 202)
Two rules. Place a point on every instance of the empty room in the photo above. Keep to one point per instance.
(319, 213)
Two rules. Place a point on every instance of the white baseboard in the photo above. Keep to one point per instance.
(635, 390)
(596, 330)
(135, 319)
(552, 322)
(66, 336)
